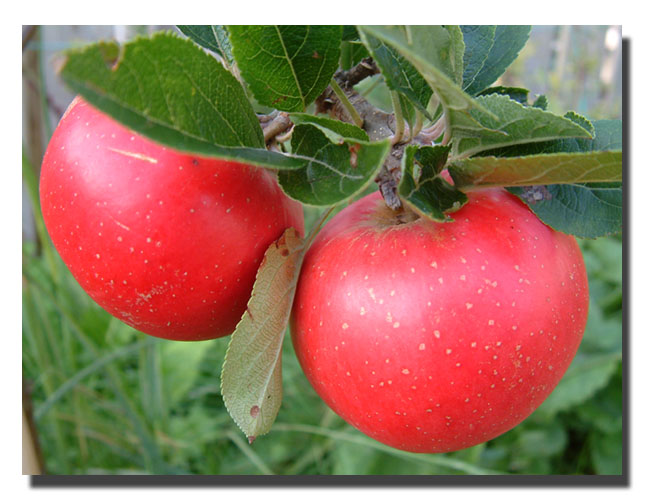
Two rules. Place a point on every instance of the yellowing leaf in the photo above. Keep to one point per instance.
(251, 380)
(544, 169)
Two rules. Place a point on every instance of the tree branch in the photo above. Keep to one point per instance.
(377, 123)
(274, 125)
(348, 79)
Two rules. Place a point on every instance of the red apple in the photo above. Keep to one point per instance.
(433, 337)
(165, 241)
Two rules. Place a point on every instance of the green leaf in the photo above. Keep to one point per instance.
(515, 93)
(350, 33)
(586, 375)
(509, 123)
(334, 171)
(508, 41)
(584, 122)
(556, 168)
(286, 67)
(583, 210)
(430, 45)
(168, 89)
(400, 75)
(429, 49)
(408, 111)
(586, 210)
(541, 102)
(251, 379)
(422, 187)
(336, 130)
(357, 52)
(607, 136)
(478, 43)
(212, 37)
(457, 49)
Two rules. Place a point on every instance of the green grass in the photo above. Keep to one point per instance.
(108, 399)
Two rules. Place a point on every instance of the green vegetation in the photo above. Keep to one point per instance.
(109, 400)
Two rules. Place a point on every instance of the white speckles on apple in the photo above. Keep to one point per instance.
(421, 347)
(344, 326)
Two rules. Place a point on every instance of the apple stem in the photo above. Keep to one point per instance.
(319, 223)
(389, 178)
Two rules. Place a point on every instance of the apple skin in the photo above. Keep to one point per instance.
(167, 242)
(434, 337)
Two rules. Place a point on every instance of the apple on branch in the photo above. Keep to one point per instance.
(433, 337)
(165, 241)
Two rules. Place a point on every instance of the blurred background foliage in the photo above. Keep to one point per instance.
(106, 399)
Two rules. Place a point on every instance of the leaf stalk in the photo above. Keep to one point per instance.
(354, 115)
(399, 119)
